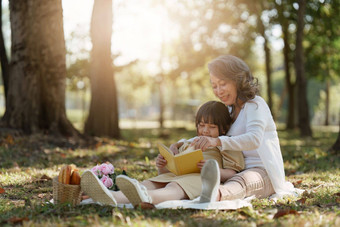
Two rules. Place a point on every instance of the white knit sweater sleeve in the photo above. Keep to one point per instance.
(255, 115)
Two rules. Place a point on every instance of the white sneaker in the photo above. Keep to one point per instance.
(93, 187)
(210, 176)
(133, 190)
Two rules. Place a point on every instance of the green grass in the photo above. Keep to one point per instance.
(24, 160)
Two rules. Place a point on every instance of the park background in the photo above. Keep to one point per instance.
(138, 79)
(160, 62)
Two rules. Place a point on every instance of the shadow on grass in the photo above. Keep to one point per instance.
(87, 215)
(300, 155)
(308, 154)
(42, 151)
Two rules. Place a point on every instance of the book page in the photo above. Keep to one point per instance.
(188, 150)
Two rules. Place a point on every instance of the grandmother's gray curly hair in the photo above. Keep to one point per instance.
(233, 68)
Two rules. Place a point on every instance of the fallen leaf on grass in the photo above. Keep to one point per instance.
(47, 151)
(99, 144)
(146, 206)
(41, 196)
(291, 172)
(2, 191)
(284, 212)
(302, 200)
(16, 220)
(43, 178)
(9, 140)
(296, 183)
(16, 167)
(307, 194)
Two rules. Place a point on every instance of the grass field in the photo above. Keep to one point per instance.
(29, 163)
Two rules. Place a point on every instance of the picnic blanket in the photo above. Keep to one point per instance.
(191, 204)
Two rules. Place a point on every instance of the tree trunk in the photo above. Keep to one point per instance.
(303, 111)
(36, 92)
(161, 103)
(262, 30)
(336, 146)
(103, 119)
(173, 102)
(161, 87)
(290, 86)
(327, 103)
(3, 57)
(268, 73)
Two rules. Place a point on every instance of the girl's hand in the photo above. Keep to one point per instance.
(175, 146)
(203, 142)
(160, 162)
(200, 164)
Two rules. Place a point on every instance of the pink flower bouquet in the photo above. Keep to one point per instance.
(105, 172)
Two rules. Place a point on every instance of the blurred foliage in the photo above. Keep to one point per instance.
(207, 29)
(133, 86)
(78, 75)
(322, 39)
(210, 28)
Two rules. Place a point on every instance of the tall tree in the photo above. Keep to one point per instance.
(267, 53)
(36, 87)
(303, 111)
(260, 9)
(103, 115)
(3, 57)
(336, 146)
(284, 9)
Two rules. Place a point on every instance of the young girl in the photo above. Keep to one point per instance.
(212, 120)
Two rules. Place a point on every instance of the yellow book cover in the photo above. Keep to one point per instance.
(182, 163)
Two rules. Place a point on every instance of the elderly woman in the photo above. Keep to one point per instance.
(253, 132)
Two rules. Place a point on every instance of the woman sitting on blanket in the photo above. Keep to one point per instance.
(253, 132)
(212, 120)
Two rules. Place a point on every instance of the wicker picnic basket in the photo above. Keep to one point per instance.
(63, 193)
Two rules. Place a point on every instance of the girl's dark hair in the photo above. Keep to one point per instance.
(214, 112)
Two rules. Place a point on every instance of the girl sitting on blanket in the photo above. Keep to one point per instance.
(213, 120)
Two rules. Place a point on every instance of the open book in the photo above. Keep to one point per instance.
(182, 163)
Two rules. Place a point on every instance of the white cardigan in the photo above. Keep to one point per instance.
(254, 133)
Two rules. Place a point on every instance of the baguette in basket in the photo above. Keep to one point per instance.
(66, 187)
(69, 175)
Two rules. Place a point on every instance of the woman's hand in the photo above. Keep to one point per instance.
(203, 142)
(200, 164)
(175, 146)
